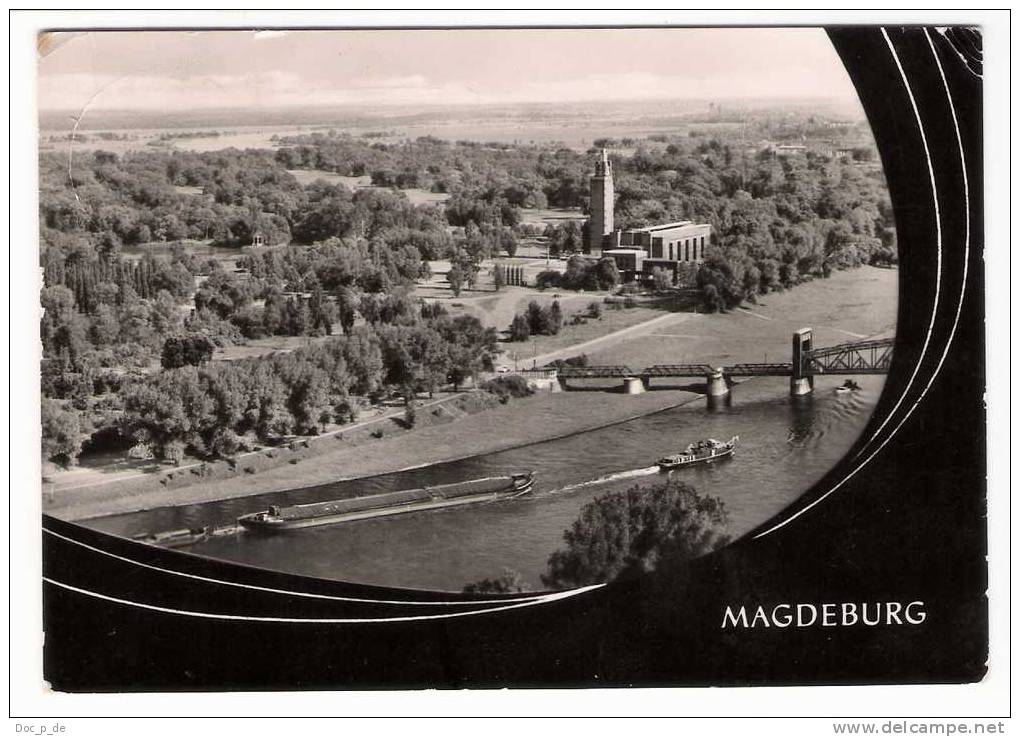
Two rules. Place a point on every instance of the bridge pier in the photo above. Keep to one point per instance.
(800, 386)
(716, 384)
(801, 382)
(633, 385)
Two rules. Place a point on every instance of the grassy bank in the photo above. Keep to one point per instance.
(480, 425)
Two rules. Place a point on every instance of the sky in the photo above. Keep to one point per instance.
(180, 70)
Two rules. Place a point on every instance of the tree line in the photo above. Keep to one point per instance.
(218, 409)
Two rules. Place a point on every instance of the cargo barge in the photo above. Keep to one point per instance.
(298, 516)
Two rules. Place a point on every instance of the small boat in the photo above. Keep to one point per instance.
(297, 516)
(174, 538)
(848, 386)
(704, 451)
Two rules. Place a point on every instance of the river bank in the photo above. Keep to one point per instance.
(541, 417)
(848, 306)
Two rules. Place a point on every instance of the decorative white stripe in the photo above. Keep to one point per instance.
(537, 597)
(317, 620)
(931, 323)
(966, 199)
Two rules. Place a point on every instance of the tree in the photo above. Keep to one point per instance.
(520, 330)
(173, 407)
(538, 319)
(555, 317)
(274, 313)
(63, 328)
(455, 276)
(62, 435)
(226, 443)
(606, 274)
(347, 302)
(189, 350)
(323, 312)
(308, 400)
(627, 533)
(410, 415)
(498, 277)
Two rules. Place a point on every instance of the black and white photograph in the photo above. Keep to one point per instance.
(523, 357)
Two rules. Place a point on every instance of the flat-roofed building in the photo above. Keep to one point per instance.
(637, 251)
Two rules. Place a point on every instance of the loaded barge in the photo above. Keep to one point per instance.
(297, 516)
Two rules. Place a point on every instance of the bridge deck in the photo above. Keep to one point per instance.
(677, 369)
(594, 372)
(863, 357)
(759, 369)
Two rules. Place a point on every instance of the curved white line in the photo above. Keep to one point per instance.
(308, 595)
(966, 198)
(938, 241)
(931, 322)
(325, 620)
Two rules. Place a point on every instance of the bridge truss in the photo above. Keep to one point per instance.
(862, 357)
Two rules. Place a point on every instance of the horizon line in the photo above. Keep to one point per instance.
(455, 103)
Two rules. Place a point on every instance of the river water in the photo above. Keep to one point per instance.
(786, 444)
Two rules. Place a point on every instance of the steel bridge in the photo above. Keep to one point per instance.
(860, 357)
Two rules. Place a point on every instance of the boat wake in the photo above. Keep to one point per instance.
(608, 478)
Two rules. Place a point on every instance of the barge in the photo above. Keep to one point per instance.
(298, 516)
(174, 538)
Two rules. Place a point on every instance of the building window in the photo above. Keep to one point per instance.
(687, 250)
(670, 251)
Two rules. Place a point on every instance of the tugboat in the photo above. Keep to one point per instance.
(492, 488)
(848, 386)
(704, 451)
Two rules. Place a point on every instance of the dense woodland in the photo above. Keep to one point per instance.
(123, 363)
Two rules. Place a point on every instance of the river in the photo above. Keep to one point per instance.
(786, 444)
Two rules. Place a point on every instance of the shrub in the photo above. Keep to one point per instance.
(142, 452)
(225, 442)
(173, 451)
(548, 278)
(662, 279)
(508, 582)
(580, 361)
(505, 387)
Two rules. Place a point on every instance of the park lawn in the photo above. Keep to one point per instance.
(611, 321)
(257, 347)
(550, 216)
(307, 176)
(425, 197)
